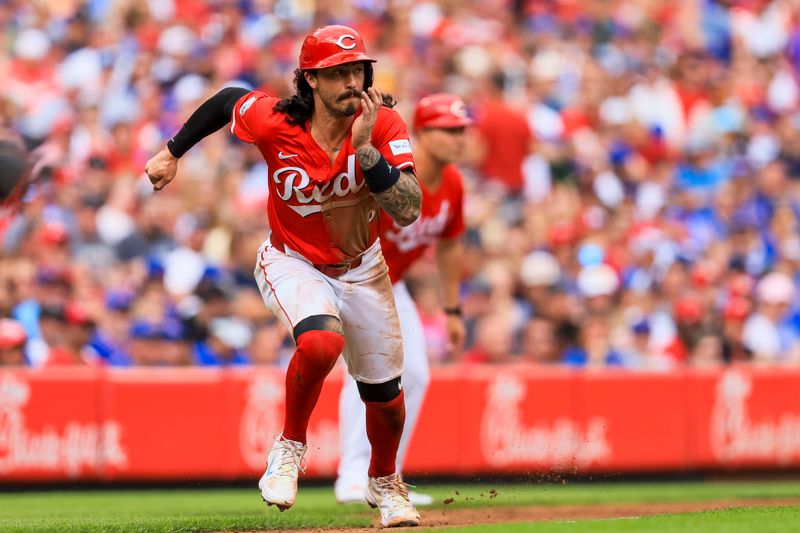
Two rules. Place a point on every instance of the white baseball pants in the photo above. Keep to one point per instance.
(361, 298)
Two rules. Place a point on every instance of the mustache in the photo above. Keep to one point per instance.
(350, 94)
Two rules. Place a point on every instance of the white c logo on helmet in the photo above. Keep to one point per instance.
(458, 108)
(340, 42)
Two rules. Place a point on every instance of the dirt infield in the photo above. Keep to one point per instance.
(447, 518)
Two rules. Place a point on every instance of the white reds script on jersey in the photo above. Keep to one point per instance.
(320, 209)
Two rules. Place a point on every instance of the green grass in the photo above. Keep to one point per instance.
(588, 493)
(740, 520)
(169, 510)
(239, 509)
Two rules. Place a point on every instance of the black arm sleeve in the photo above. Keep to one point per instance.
(213, 114)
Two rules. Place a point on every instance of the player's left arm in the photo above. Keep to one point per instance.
(396, 191)
(449, 258)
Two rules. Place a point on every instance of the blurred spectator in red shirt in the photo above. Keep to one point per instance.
(504, 138)
(734, 314)
(493, 341)
(538, 343)
(707, 352)
(60, 337)
(12, 343)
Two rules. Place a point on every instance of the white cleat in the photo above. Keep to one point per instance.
(349, 492)
(352, 491)
(279, 483)
(418, 499)
(390, 495)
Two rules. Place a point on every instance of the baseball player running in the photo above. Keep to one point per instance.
(439, 124)
(337, 154)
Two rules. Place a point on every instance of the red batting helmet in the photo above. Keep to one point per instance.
(330, 46)
(441, 110)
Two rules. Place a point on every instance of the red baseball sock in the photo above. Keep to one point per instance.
(315, 356)
(384, 428)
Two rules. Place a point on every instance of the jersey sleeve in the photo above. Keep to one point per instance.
(250, 116)
(455, 226)
(390, 137)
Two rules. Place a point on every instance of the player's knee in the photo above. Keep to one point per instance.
(319, 349)
(380, 392)
(318, 322)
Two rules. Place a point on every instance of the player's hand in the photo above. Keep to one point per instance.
(371, 102)
(456, 333)
(161, 169)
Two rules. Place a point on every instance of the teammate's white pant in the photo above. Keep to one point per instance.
(354, 447)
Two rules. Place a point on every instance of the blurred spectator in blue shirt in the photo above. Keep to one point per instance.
(593, 347)
(110, 339)
(225, 345)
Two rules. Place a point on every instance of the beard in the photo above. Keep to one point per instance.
(342, 106)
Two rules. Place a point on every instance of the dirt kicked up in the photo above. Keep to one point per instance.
(449, 518)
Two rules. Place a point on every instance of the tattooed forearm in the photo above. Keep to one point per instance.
(367, 156)
(402, 200)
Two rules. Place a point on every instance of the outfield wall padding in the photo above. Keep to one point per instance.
(209, 424)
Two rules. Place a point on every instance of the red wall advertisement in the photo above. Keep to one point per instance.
(200, 424)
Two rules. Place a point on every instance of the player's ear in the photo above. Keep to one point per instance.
(311, 78)
(369, 75)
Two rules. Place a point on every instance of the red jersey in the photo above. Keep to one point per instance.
(323, 211)
(507, 136)
(441, 216)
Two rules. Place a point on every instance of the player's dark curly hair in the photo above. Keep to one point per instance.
(299, 107)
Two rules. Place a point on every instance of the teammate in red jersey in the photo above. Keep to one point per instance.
(337, 154)
(439, 122)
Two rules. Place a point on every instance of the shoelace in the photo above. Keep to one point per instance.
(291, 456)
(394, 487)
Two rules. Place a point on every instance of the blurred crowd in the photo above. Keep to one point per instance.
(633, 179)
